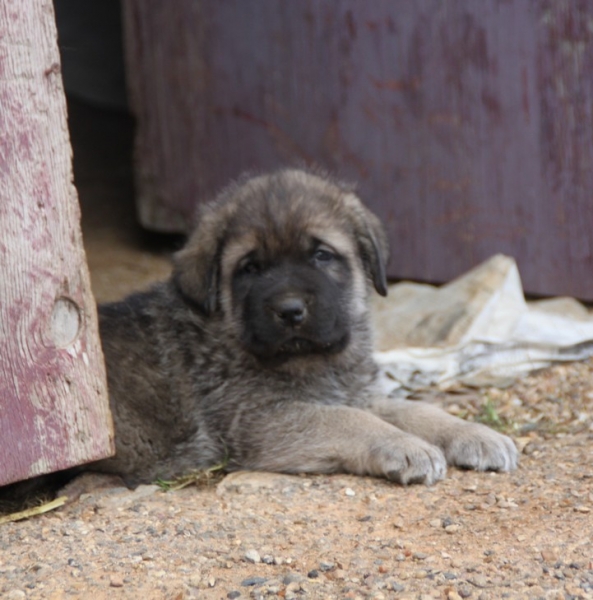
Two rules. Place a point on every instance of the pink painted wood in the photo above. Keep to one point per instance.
(53, 398)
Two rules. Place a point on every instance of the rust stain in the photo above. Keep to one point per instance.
(279, 135)
(351, 24)
(525, 93)
(443, 118)
(397, 85)
(456, 215)
(492, 104)
(448, 185)
(337, 147)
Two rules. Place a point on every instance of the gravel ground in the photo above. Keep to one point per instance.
(257, 535)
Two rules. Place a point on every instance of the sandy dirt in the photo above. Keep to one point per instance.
(257, 535)
(527, 534)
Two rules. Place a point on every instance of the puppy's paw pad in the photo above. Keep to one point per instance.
(478, 447)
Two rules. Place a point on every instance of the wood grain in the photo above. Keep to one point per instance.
(53, 398)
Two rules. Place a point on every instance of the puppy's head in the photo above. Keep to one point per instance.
(287, 260)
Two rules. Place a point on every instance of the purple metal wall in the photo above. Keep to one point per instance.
(468, 125)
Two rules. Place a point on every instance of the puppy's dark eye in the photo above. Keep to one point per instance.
(249, 266)
(323, 256)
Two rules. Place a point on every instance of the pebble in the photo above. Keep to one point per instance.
(464, 591)
(252, 556)
(349, 492)
(292, 578)
(234, 594)
(253, 581)
(394, 586)
(479, 581)
(116, 581)
(326, 566)
(15, 595)
(452, 528)
(549, 555)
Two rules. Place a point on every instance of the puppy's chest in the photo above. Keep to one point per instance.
(234, 387)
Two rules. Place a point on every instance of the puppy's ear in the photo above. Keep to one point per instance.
(372, 243)
(196, 267)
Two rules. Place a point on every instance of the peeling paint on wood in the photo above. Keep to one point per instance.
(467, 124)
(53, 400)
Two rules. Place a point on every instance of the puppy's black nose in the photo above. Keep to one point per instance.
(291, 310)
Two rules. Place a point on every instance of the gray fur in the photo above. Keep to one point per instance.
(190, 387)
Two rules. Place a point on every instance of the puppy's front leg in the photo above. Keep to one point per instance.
(465, 444)
(301, 437)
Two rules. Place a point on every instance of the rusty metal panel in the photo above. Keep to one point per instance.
(468, 125)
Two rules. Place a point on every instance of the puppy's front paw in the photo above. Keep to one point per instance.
(409, 459)
(475, 446)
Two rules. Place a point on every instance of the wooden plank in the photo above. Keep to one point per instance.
(468, 125)
(53, 399)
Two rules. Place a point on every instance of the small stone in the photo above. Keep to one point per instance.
(252, 482)
(349, 492)
(292, 578)
(267, 559)
(253, 581)
(394, 586)
(479, 581)
(453, 595)
(116, 581)
(313, 574)
(582, 509)
(464, 591)
(15, 595)
(252, 556)
(436, 523)
(452, 528)
(326, 566)
(273, 586)
(234, 594)
(549, 555)
(293, 587)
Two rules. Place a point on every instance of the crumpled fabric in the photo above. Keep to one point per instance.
(476, 331)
